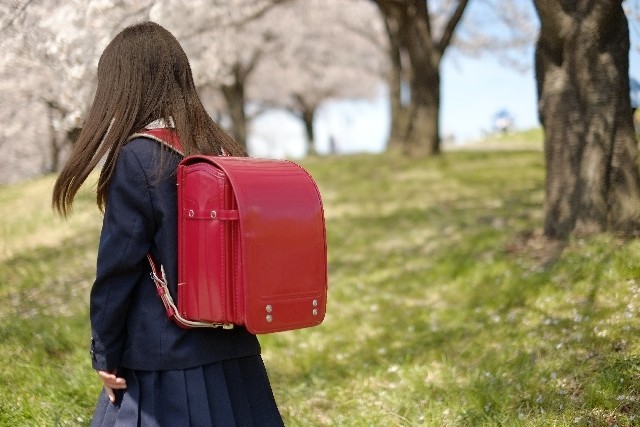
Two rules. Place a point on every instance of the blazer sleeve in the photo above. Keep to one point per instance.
(126, 237)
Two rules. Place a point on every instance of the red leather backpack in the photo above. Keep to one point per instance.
(251, 244)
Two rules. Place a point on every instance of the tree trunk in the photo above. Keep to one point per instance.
(57, 144)
(582, 72)
(408, 26)
(306, 111)
(235, 97)
(307, 118)
(54, 149)
(73, 134)
(399, 111)
(423, 131)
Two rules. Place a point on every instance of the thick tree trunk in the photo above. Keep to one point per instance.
(408, 26)
(592, 181)
(423, 131)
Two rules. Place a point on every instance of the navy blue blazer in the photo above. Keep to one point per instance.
(129, 325)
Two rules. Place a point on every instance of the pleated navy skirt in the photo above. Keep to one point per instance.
(230, 393)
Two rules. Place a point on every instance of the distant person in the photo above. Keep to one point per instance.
(154, 372)
(502, 121)
(333, 146)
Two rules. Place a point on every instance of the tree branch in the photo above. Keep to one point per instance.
(427, 17)
(15, 16)
(258, 14)
(367, 36)
(239, 23)
(255, 58)
(450, 28)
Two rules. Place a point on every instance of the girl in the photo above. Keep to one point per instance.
(154, 372)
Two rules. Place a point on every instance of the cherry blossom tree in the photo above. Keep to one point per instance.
(418, 37)
(324, 50)
(419, 34)
(226, 40)
(49, 68)
(40, 60)
(51, 49)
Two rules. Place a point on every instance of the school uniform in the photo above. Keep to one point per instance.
(175, 377)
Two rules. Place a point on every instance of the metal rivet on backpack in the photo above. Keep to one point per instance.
(315, 303)
(315, 311)
(268, 308)
(269, 318)
(191, 213)
(213, 214)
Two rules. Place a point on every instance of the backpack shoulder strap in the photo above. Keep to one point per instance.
(162, 288)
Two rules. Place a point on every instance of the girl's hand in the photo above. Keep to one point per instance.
(112, 382)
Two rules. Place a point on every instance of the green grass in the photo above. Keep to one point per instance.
(530, 139)
(446, 306)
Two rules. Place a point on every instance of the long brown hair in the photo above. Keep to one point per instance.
(143, 75)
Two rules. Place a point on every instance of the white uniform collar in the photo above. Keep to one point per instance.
(160, 123)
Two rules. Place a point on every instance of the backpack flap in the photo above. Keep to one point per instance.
(283, 265)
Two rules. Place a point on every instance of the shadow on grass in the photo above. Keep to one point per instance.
(517, 335)
(48, 280)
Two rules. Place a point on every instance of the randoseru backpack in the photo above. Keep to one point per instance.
(251, 244)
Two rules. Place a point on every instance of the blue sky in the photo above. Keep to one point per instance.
(473, 90)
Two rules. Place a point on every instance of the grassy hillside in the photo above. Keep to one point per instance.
(446, 306)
